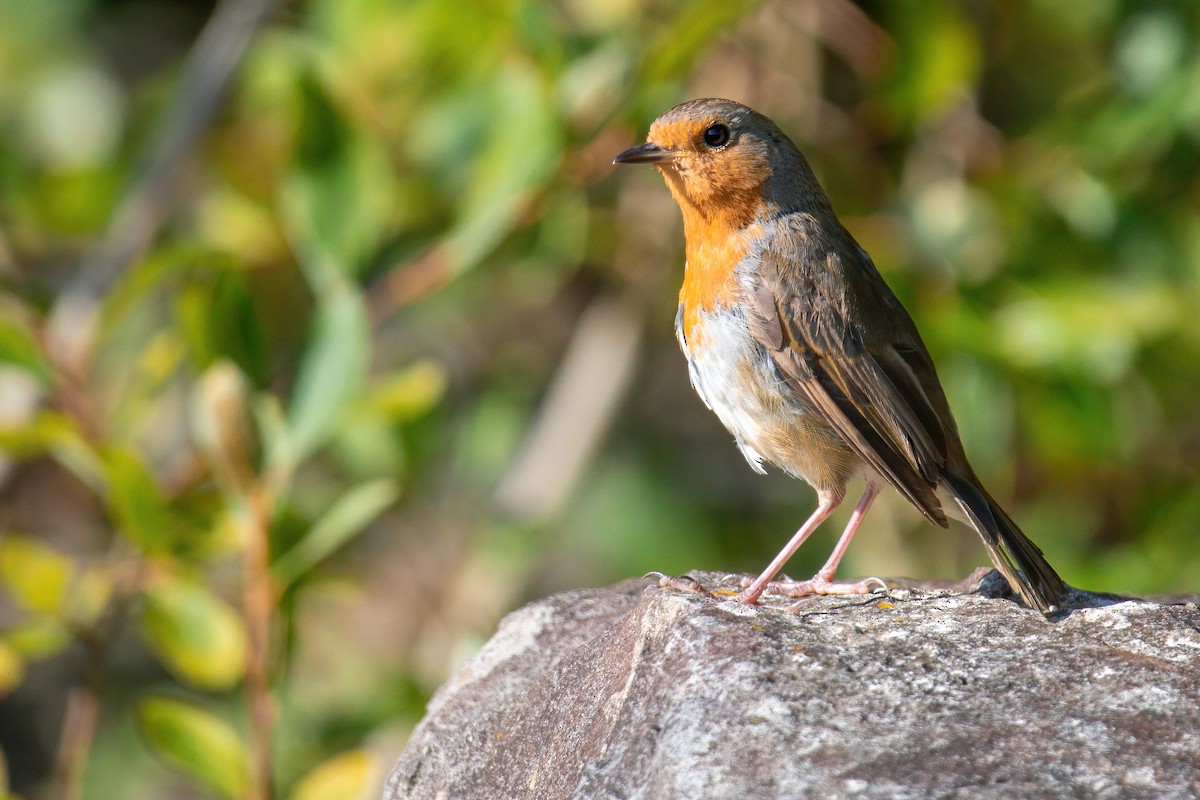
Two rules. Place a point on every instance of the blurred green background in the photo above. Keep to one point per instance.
(305, 383)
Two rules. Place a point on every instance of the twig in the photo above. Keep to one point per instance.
(259, 608)
(83, 701)
(422, 274)
(78, 733)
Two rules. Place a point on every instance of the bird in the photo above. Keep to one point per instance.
(797, 344)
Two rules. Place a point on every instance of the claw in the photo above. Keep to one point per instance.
(878, 583)
(684, 583)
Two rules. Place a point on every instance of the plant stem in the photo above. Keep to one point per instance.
(78, 733)
(82, 716)
(259, 607)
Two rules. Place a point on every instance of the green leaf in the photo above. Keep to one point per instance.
(347, 776)
(409, 393)
(141, 510)
(12, 672)
(196, 743)
(346, 517)
(33, 574)
(335, 204)
(368, 443)
(688, 36)
(196, 634)
(332, 371)
(940, 59)
(137, 283)
(515, 163)
(218, 319)
(56, 434)
(38, 637)
(1094, 330)
(90, 593)
(369, 446)
(19, 346)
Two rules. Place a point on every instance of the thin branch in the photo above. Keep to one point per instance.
(259, 609)
(422, 274)
(78, 733)
(83, 701)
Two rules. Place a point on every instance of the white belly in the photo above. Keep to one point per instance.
(726, 377)
(736, 378)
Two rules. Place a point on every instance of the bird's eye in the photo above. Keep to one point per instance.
(716, 136)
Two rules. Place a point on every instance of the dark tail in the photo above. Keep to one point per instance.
(1013, 553)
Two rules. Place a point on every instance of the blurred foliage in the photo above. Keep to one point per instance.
(281, 467)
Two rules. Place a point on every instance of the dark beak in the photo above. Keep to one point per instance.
(648, 153)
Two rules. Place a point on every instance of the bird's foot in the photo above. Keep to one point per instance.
(684, 583)
(820, 585)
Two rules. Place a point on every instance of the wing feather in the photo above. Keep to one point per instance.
(868, 384)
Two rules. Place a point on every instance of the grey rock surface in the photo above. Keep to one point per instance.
(637, 691)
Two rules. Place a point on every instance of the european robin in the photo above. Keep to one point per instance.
(800, 348)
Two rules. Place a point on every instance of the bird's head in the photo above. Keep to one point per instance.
(722, 161)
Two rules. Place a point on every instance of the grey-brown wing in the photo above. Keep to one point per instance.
(868, 385)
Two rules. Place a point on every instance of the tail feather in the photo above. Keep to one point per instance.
(1019, 560)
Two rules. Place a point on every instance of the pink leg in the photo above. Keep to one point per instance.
(826, 503)
(826, 572)
(822, 582)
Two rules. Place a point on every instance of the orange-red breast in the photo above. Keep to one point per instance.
(800, 348)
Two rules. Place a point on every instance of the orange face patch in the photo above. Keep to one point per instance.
(723, 186)
(719, 189)
(676, 135)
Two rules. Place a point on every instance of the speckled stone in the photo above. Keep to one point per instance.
(637, 691)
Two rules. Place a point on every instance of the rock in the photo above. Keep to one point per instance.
(637, 691)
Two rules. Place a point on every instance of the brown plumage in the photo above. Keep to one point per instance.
(798, 345)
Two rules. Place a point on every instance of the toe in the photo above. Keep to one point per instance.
(684, 583)
(818, 585)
